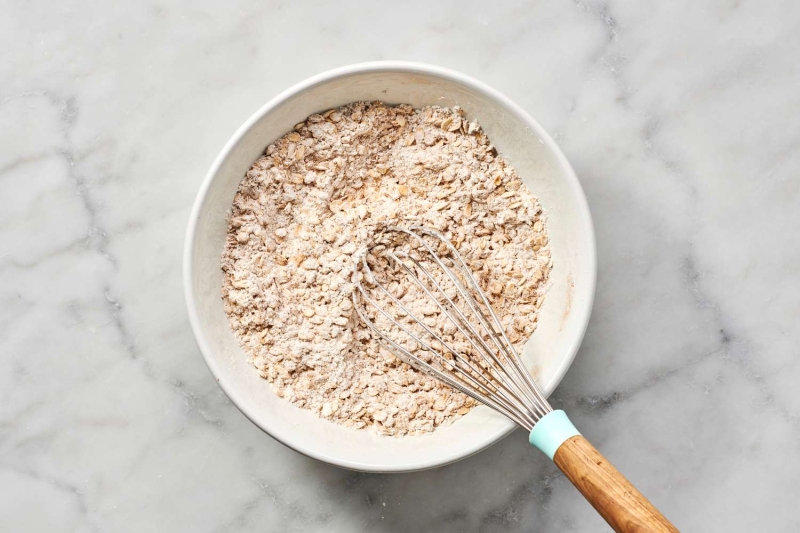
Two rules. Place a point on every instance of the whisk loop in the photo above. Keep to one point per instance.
(492, 372)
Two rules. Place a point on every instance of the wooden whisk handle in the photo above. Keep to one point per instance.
(623, 507)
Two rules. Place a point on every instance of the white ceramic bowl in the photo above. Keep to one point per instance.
(519, 138)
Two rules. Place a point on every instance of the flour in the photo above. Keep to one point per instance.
(314, 201)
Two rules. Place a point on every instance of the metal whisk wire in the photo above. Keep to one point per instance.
(495, 375)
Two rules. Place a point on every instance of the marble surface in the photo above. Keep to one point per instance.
(680, 119)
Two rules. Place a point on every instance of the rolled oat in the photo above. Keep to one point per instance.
(316, 198)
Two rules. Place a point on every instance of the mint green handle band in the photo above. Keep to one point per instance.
(551, 431)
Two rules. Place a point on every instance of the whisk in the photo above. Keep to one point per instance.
(474, 355)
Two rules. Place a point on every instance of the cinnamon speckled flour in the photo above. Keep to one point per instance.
(316, 198)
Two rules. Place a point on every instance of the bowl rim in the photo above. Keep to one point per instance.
(584, 216)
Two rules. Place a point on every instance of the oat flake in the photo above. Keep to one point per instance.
(316, 199)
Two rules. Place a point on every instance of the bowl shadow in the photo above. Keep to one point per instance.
(502, 488)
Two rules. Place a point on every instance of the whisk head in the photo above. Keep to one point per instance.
(416, 292)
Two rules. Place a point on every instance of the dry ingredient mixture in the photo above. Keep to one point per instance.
(316, 199)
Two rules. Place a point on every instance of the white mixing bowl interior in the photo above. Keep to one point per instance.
(518, 138)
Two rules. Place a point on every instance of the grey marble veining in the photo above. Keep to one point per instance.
(679, 118)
